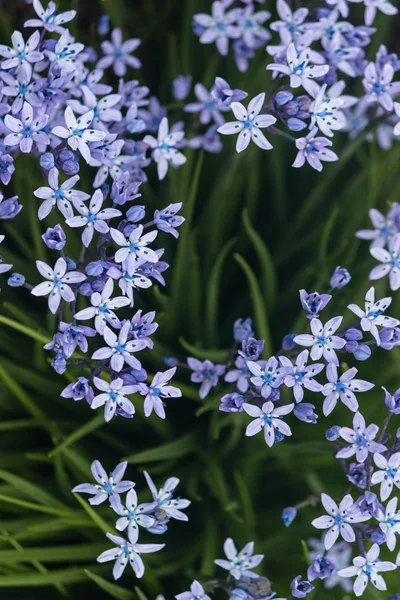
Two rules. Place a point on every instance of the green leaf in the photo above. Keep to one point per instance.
(75, 552)
(37, 507)
(32, 490)
(96, 518)
(202, 354)
(115, 591)
(79, 433)
(260, 312)
(171, 450)
(42, 338)
(212, 297)
(73, 575)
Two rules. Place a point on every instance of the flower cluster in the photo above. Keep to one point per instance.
(56, 107)
(318, 53)
(153, 517)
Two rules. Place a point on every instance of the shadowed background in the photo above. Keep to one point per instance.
(256, 232)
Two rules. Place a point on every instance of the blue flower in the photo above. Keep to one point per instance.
(107, 485)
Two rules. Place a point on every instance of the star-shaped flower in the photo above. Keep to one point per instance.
(339, 519)
(367, 569)
(342, 388)
(322, 341)
(373, 314)
(268, 418)
(57, 284)
(239, 564)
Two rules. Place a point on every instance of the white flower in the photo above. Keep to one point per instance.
(78, 133)
(367, 569)
(326, 113)
(102, 308)
(156, 391)
(48, 18)
(342, 388)
(103, 108)
(135, 248)
(251, 26)
(65, 52)
(300, 72)
(390, 260)
(113, 396)
(321, 339)
(385, 229)
(269, 419)
(59, 195)
(93, 218)
(240, 563)
(164, 151)
(126, 552)
(130, 280)
(171, 507)
(373, 314)
(119, 349)
(388, 475)
(390, 522)
(371, 6)
(26, 130)
(118, 53)
(339, 519)
(301, 376)
(21, 55)
(361, 439)
(248, 124)
(57, 285)
(132, 515)
(218, 27)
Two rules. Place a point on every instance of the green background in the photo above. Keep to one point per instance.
(256, 232)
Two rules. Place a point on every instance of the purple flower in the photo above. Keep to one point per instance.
(135, 247)
(371, 6)
(361, 440)
(107, 485)
(313, 150)
(224, 95)
(241, 375)
(6, 168)
(113, 396)
(142, 326)
(93, 217)
(305, 412)
(249, 124)
(232, 403)
(126, 552)
(16, 280)
(242, 329)
(313, 303)
(167, 507)
(205, 373)
(288, 342)
(158, 390)
(251, 348)
(384, 229)
(379, 86)
(333, 433)
(300, 72)
(102, 309)
(239, 563)
(288, 515)
(390, 337)
(77, 133)
(294, 112)
(207, 106)
(9, 208)
(343, 388)
(339, 520)
(118, 53)
(340, 278)
(164, 151)
(373, 314)
(181, 87)
(26, 131)
(392, 401)
(388, 474)
(320, 568)
(167, 220)
(363, 352)
(268, 375)
(60, 195)
(367, 569)
(54, 238)
(358, 474)
(268, 419)
(390, 260)
(300, 587)
(22, 55)
(78, 390)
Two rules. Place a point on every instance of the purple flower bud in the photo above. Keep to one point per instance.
(398, 434)
(47, 161)
(358, 475)
(305, 412)
(340, 278)
(394, 597)
(313, 303)
(287, 342)
(86, 289)
(353, 335)
(376, 536)
(79, 390)
(251, 348)
(288, 515)
(363, 352)
(68, 162)
(6, 168)
(232, 403)
(300, 587)
(368, 503)
(242, 329)
(103, 25)
(71, 265)
(390, 337)
(99, 283)
(105, 190)
(16, 280)
(181, 87)
(296, 124)
(279, 437)
(49, 45)
(351, 347)
(283, 97)
(136, 213)
(94, 269)
(170, 361)
(392, 402)
(332, 434)
(59, 363)
(224, 95)
(54, 238)
(320, 568)
(9, 208)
